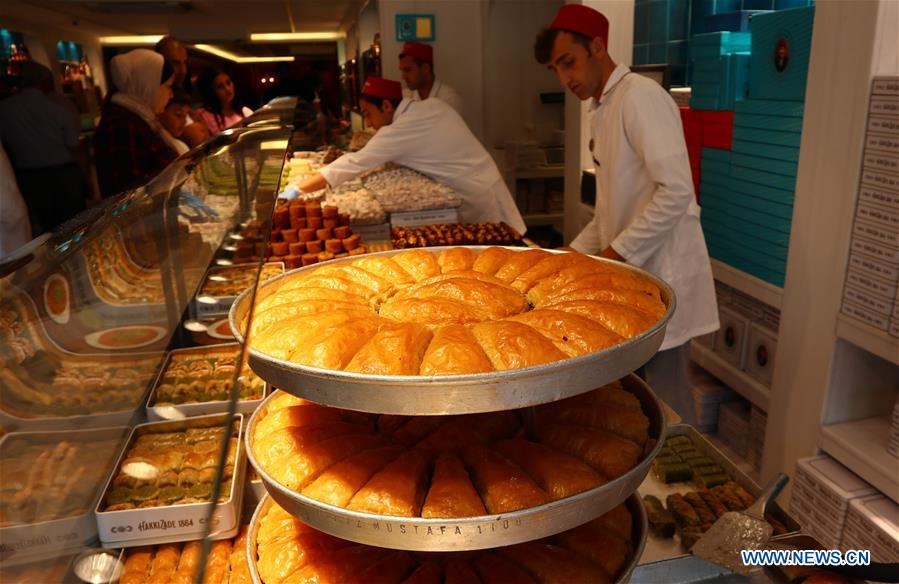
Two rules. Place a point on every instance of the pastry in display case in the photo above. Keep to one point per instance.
(454, 312)
(455, 234)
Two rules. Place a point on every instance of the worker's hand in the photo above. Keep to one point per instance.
(611, 254)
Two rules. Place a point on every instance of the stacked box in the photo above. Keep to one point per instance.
(733, 425)
(758, 421)
(822, 492)
(735, 21)
(708, 395)
(719, 81)
(717, 129)
(781, 46)
(893, 444)
(871, 292)
(873, 524)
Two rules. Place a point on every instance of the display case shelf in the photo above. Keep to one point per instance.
(861, 446)
(737, 380)
(759, 289)
(868, 338)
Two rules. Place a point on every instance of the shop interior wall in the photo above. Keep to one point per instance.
(459, 48)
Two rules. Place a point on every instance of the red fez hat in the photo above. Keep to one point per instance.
(582, 20)
(380, 87)
(419, 51)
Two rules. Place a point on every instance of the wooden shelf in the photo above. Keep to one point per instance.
(868, 338)
(861, 446)
(737, 380)
(748, 284)
(535, 219)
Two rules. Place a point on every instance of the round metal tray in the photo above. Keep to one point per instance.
(634, 504)
(469, 533)
(453, 394)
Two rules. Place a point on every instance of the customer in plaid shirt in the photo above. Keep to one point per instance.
(129, 145)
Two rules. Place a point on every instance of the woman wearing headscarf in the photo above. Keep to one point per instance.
(131, 146)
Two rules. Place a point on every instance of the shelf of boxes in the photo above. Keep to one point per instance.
(757, 288)
(868, 338)
(861, 446)
(737, 380)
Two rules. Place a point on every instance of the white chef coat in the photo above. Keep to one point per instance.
(439, 90)
(645, 205)
(430, 137)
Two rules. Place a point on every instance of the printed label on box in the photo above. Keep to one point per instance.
(884, 290)
(883, 235)
(880, 180)
(871, 318)
(885, 86)
(875, 250)
(869, 301)
(886, 217)
(894, 327)
(874, 267)
(883, 125)
(879, 197)
(880, 161)
(885, 105)
(419, 218)
(882, 143)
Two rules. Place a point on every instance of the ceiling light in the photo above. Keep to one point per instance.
(219, 52)
(270, 37)
(146, 39)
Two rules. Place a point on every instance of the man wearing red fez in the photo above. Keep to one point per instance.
(417, 70)
(646, 212)
(430, 137)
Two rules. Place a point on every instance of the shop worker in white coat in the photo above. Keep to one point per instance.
(430, 137)
(646, 211)
(417, 69)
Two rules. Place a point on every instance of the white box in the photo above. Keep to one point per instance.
(881, 161)
(421, 218)
(884, 105)
(883, 125)
(173, 523)
(874, 267)
(875, 250)
(760, 351)
(880, 516)
(868, 301)
(836, 484)
(871, 318)
(879, 196)
(885, 85)
(883, 289)
(23, 543)
(882, 143)
(877, 215)
(880, 180)
(730, 342)
(888, 238)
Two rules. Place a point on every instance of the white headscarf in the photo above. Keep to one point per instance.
(137, 75)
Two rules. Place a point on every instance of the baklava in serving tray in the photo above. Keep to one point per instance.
(446, 483)
(453, 330)
(283, 549)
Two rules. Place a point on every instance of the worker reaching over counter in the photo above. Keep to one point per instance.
(430, 137)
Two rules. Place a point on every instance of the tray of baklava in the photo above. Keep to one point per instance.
(164, 483)
(51, 482)
(448, 483)
(283, 549)
(452, 330)
(199, 381)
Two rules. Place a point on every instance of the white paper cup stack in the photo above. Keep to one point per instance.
(822, 492)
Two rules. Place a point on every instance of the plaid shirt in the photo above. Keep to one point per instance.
(128, 152)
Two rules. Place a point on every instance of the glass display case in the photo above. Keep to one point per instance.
(121, 386)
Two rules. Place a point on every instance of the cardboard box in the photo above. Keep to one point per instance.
(730, 342)
(872, 267)
(885, 85)
(884, 106)
(880, 161)
(880, 180)
(781, 47)
(875, 250)
(884, 143)
(878, 196)
(172, 523)
(865, 299)
(888, 238)
(760, 353)
(883, 125)
(868, 317)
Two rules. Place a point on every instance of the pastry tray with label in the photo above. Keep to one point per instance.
(469, 533)
(634, 505)
(174, 523)
(158, 413)
(205, 304)
(452, 394)
(658, 548)
(23, 543)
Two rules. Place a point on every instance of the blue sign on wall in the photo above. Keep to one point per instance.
(415, 27)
